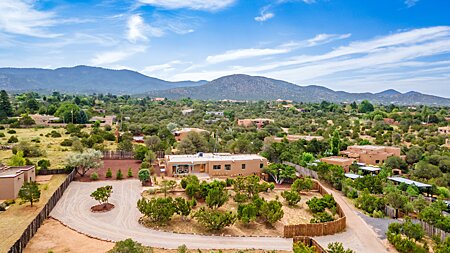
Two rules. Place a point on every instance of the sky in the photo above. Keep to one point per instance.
(350, 45)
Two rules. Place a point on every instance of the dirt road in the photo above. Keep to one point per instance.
(358, 236)
(73, 210)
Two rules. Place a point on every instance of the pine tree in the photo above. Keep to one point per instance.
(5, 105)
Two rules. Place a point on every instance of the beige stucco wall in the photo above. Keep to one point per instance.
(251, 167)
(10, 186)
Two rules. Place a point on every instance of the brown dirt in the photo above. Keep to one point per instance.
(103, 208)
(298, 214)
(54, 236)
(115, 165)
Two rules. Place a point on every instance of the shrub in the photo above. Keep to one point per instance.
(11, 131)
(13, 139)
(158, 210)
(2, 135)
(130, 173)
(292, 197)
(302, 184)
(44, 164)
(108, 173)
(55, 134)
(247, 213)
(66, 143)
(317, 205)
(130, 246)
(214, 219)
(271, 211)
(337, 247)
(404, 245)
(94, 176)
(321, 217)
(378, 214)
(119, 175)
(144, 175)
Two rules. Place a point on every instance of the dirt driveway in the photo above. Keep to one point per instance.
(73, 210)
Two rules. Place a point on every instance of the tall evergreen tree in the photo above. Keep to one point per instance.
(5, 105)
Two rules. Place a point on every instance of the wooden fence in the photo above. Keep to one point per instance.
(304, 171)
(318, 229)
(308, 241)
(43, 172)
(118, 155)
(431, 230)
(29, 232)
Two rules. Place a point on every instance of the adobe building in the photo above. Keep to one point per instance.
(181, 134)
(344, 162)
(13, 178)
(444, 130)
(260, 123)
(215, 164)
(298, 137)
(370, 154)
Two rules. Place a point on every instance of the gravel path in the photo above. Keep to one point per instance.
(73, 210)
(380, 226)
(358, 235)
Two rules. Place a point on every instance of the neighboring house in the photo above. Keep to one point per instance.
(215, 164)
(12, 179)
(187, 112)
(138, 139)
(260, 123)
(344, 162)
(215, 113)
(444, 130)
(106, 120)
(370, 154)
(158, 99)
(181, 134)
(297, 137)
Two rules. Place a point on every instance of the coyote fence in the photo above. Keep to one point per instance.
(308, 241)
(304, 171)
(118, 155)
(431, 231)
(29, 232)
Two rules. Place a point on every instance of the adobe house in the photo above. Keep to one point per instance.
(444, 130)
(12, 179)
(260, 123)
(370, 154)
(298, 137)
(344, 162)
(181, 134)
(223, 164)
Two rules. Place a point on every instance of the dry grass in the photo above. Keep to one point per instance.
(17, 217)
(53, 151)
(298, 214)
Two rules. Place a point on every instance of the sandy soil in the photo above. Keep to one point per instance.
(52, 235)
(49, 237)
(292, 215)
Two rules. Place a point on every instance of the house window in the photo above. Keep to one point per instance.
(377, 161)
(261, 165)
(216, 167)
(243, 166)
(227, 166)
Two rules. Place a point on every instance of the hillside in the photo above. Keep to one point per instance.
(83, 79)
(244, 87)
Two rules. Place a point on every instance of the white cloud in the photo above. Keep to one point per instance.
(20, 17)
(110, 57)
(410, 3)
(206, 5)
(166, 67)
(326, 38)
(238, 54)
(264, 16)
(138, 29)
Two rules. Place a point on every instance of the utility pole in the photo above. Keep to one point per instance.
(72, 115)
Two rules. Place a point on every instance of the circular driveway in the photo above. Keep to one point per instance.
(73, 210)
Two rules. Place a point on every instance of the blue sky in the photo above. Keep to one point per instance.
(351, 45)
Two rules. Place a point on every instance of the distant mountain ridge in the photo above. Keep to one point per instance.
(83, 79)
(88, 80)
(245, 87)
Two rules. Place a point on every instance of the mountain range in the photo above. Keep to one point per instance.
(85, 79)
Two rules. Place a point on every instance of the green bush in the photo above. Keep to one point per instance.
(2, 135)
(108, 173)
(66, 143)
(130, 173)
(292, 197)
(13, 139)
(321, 217)
(119, 175)
(94, 176)
(404, 245)
(317, 205)
(11, 131)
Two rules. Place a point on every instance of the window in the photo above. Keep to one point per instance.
(227, 166)
(243, 166)
(216, 167)
(377, 161)
(261, 165)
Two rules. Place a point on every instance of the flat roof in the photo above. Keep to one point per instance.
(409, 182)
(352, 176)
(337, 158)
(370, 168)
(211, 157)
(13, 171)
